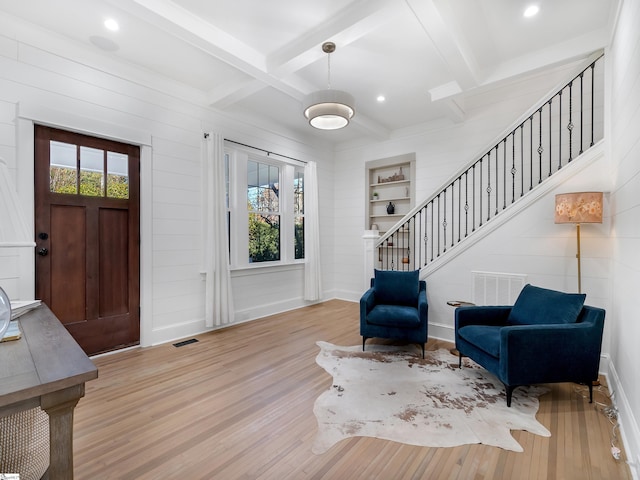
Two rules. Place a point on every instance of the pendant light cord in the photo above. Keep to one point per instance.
(329, 71)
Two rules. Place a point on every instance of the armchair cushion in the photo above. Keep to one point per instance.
(394, 316)
(396, 287)
(536, 306)
(484, 337)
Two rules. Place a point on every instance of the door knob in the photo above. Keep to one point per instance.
(43, 252)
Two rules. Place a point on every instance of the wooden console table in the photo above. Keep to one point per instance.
(46, 368)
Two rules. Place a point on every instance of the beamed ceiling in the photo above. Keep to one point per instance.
(256, 60)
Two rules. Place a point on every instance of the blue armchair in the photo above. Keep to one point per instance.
(546, 337)
(395, 307)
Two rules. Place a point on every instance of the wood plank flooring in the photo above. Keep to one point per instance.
(238, 404)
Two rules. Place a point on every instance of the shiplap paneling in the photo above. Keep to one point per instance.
(624, 60)
(65, 92)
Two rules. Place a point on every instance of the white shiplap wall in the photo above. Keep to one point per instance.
(440, 150)
(45, 80)
(624, 70)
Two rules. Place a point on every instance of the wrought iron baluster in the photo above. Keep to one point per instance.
(522, 159)
(453, 214)
(550, 151)
(540, 148)
(489, 185)
(432, 222)
(531, 152)
(570, 125)
(480, 193)
(513, 166)
(592, 100)
(438, 226)
(497, 179)
(581, 110)
(466, 203)
(504, 175)
(560, 131)
(473, 197)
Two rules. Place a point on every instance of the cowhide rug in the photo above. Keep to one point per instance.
(390, 392)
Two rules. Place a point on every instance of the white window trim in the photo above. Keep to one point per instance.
(239, 213)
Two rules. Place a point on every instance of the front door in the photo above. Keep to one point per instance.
(87, 236)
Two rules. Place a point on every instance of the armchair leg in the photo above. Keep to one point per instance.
(509, 389)
(459, 360)
(364, 339)
(422, 351)
(590, 391)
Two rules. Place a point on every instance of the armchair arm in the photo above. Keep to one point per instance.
(548, 353)
(423, 304)
(367, 302)
(481, 315)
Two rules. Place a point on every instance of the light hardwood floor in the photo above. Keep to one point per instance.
(239, 405)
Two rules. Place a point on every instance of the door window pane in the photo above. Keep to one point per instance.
(63, 177)
(91, 172)
(117, 175)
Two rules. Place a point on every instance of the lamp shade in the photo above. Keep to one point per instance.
(579, 207)
(329, 109)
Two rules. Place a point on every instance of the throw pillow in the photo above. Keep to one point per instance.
(537, 305)
(396, 288)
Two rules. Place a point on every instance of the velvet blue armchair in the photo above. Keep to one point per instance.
(395, 307)
(546, 337)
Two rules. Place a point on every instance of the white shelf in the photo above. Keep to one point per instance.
(396, 182)
(397, 199)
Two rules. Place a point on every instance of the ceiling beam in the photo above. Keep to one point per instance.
(353, 22)
(460, 62)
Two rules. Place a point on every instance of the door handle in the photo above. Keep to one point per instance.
(43, 252)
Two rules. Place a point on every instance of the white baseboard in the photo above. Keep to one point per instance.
(177, 331)
(629, 431)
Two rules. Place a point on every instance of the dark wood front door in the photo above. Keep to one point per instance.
(87, 225)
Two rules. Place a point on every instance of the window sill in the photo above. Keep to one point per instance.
(259, 269)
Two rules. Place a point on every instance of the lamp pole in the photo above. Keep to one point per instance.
(578, 257)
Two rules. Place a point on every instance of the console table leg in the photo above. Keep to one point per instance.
(59, 406)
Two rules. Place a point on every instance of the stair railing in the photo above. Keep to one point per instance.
(552, 135)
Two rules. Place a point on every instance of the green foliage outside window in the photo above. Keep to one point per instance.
(299, 238)
(64, 180)
(264, 238)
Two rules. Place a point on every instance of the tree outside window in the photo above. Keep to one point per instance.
(298, 212)
(263, 205)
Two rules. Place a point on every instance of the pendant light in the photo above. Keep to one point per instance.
(329, 109)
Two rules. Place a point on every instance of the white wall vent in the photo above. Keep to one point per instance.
(494, 288)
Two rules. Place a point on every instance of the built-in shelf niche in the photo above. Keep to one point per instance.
(389, 180)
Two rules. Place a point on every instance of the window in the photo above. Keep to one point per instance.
(87, 171)
(263, 204)
(265, 210)
(298, 211)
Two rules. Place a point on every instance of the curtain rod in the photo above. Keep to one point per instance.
(206, 135)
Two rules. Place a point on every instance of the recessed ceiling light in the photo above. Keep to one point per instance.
(111, 24)
(380, 98)
(531, 11)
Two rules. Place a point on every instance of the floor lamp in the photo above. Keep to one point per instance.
(579, 207)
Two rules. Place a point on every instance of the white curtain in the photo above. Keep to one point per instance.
(312, 273)
(218, 297)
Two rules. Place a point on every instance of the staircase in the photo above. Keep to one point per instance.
(549, 137)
